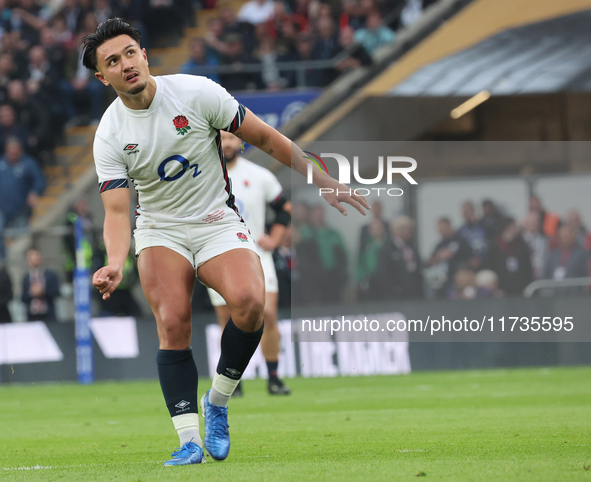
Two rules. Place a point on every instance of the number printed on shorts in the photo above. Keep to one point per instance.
(184, 164)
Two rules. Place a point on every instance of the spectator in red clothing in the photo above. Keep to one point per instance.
(550, 222)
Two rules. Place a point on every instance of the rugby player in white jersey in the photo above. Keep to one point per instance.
(163, 134)
(255, 187)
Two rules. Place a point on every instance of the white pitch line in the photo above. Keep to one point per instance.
(46, 467)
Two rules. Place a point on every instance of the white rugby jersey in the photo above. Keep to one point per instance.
(254, 187)
(171, 151)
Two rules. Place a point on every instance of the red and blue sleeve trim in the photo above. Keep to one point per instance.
(113, 184)
(237, 122)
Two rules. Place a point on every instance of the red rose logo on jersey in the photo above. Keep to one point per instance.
(182, 124)
(242, 237)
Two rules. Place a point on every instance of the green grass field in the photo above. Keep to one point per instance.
(526, 424)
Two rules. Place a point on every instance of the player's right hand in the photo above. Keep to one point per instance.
(106, 280)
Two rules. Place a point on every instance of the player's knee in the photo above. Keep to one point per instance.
(248, 309)
(174, 328)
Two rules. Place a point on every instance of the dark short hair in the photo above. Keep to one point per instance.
(105, 31)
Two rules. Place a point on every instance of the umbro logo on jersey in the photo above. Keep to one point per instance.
(131, 149)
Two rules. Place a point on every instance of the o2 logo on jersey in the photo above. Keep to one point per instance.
(184, 164)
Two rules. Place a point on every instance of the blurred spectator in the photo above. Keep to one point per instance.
(21, 183)
(573, 219)
(8, 73)
(311, 77)
(81, 89)
(102, 10)
(216, 46)
(491, 219)
(375, 34)
(447, 256)
(399, 262)
(370, 273)
(333, 275)
(165, 20)
(487, 283)
(5, 294)
(267, 56)
(326, 40)
(357, 57)
(63, 35)
(54, 51)
(200, 58)
(12, 45)
(473, 233)
(35, 115)
(9, 127)
(377, 214)
(539, 246)
(25, 19)
(40, 289)
(236, 57)
(549, 222)
(568, 259)
(122, 302)
(231, 24)
(509, 257)
(256, 11)
(464, 287)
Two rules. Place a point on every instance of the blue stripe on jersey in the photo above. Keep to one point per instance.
(113, 184)
(237, 122)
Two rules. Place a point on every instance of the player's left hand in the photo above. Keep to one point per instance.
(345, 195)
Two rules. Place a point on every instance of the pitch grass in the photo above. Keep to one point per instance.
(525, 424)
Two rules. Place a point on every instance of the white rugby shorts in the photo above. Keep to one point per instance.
(197, 242)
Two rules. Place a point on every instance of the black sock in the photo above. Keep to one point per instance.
(272, 368)
(237, 349)
(178, 378)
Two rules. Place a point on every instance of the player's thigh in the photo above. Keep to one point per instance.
(167, 279)
(237, 276)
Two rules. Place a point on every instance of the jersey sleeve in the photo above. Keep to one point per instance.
(220, 109)
(110, 168)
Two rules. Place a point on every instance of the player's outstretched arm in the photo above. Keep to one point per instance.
(117, 235)
(256, 132)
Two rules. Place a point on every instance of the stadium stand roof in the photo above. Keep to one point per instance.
(549, 56)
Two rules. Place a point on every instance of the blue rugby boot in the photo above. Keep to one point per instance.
(188, 454)
(217, 436)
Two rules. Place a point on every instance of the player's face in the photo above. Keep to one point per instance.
(123, 64)
(230, 145)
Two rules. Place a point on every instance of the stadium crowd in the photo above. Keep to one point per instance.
(268, 32)
(44, 86)
(488, 256)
